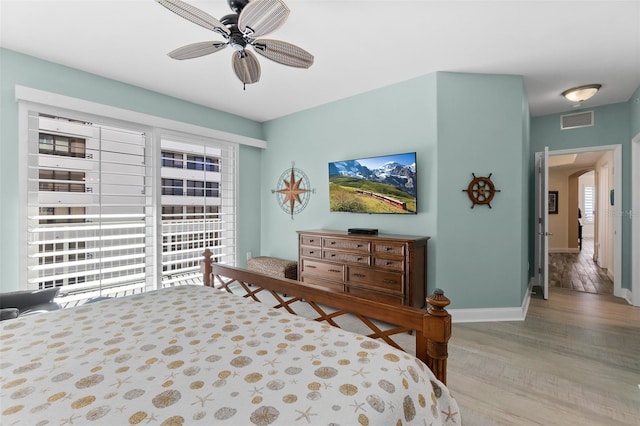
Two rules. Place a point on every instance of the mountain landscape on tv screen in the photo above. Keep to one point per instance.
(387, 188)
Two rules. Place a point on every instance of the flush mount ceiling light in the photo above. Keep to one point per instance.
(581, 93)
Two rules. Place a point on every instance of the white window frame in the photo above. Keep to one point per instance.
(30, 99)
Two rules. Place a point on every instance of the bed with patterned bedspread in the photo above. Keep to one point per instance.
(200, 356)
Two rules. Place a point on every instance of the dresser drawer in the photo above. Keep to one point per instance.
(389, 281)
(374, 295)
(337, 256)
(389, 248)
(393, 264)
(322, 283)
(310, 240)
(329, 271)
(343, 244)
(311, 252)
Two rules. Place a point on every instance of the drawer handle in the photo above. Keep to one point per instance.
(311, 251)
(359, 275)
(359, 245)
(310, 267)
(335, 270)
(332, 242)
(359, 259)
(388, 248)
(389, 281)
(333, 255)
(311, 241)
(389, 263)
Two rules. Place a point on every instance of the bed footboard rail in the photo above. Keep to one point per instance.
(431, 327)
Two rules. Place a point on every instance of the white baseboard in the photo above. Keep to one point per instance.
(627, 295)
(493, 314)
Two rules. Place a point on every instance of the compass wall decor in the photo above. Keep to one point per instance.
(293, 190)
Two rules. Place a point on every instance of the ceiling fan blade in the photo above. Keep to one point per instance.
(284, 53)
(260, 17)
(196, 50)
(246, 67)
(195, 15)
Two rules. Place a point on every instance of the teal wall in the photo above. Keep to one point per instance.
(482, 252)
(613, 124)
(396, 119)
(18, 69)
(457, 124)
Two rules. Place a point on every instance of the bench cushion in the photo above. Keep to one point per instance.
(273, 266)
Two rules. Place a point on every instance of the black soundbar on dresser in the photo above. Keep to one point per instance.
(365, 231)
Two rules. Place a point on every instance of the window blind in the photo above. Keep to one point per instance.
(109, 214)
(588, 204)
(198, 205)
(90, 207)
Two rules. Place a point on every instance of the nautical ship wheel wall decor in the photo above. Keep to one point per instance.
(481, 190)
(293, 190)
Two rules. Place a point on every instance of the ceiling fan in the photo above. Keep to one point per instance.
(252, 19)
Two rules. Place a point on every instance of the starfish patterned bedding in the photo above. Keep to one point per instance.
(195, 355)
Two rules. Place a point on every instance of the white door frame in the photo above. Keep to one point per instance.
(617, 219)
(542, 221)
(602, 211)
(635, 220)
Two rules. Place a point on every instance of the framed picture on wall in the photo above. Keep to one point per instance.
(553, 202)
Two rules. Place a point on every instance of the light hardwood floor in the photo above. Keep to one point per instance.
(578, 271)
(575, 360)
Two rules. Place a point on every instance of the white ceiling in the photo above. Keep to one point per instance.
(358, 46)
(583, 160)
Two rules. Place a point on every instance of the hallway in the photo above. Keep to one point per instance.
(578, 271)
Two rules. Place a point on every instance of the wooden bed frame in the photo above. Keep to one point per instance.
(432, 327)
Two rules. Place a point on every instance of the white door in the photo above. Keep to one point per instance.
(635, 220)
(542, 221)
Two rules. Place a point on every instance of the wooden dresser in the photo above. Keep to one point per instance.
(386, 268)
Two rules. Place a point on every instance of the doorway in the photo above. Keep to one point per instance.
(576, 267)
(596, 266)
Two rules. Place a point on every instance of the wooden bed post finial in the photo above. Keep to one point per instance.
(437, 329)
(206, 276)
(438, 302)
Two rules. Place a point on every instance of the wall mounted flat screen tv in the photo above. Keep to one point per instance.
(383, 184)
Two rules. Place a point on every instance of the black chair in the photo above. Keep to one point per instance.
(27, 302)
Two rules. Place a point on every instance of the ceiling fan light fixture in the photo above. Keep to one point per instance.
(581, 93)
(236, 41)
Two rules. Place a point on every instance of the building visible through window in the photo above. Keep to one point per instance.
(192, 206)
(91, 207)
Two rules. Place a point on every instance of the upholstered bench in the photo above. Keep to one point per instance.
(273, 266)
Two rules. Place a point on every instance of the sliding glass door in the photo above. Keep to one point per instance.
(119, 209)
